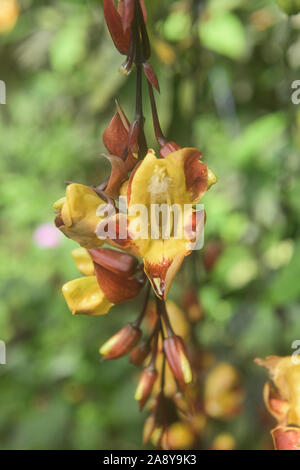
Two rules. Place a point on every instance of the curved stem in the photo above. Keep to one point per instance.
(139, 320)
(157, 128)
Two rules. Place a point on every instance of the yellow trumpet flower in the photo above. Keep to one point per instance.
(176, 182)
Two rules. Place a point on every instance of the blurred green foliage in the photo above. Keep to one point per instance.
(225, 69)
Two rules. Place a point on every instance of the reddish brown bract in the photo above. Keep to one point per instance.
(116, 288)
(177, 359)
(113, 20)
(121, 343)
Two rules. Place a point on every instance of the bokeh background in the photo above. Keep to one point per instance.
(225, 69)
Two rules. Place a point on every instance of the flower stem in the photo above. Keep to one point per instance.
(162, 312)
(140, 318)
(138, 60)
(157, 128)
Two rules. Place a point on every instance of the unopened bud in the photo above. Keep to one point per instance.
(139, 353)
(177, 359)
(120, 263)
(145, 386)
(121, 343)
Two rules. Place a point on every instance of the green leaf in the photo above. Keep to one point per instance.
(258, 136)
(225, 34)
(68, 46)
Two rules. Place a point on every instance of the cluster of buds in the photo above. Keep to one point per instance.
(188, 387)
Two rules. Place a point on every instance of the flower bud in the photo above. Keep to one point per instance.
(120, 263)
(121, 343)
(115, 137)
(128, 13)
(145, 386)
(177, 359)
(113, 20)
(139, 353)
(116, 288)
(151, 76)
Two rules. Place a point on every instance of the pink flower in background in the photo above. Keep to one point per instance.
(47, 236)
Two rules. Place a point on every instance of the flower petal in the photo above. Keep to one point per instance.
(115, 137)
(115, 230)
(122, 264)
(118, 175)
(137, 192)
(198, 178)
(274, 403)
(113, 19)
(83, 261)
(117, 289)
(162, 262)
(84, 296)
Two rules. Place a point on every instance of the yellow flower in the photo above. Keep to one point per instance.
(83, 295)
(77, 217)
(223, 394)
(283, 402)
(9, 13)
(83, 261)
(178, 182)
